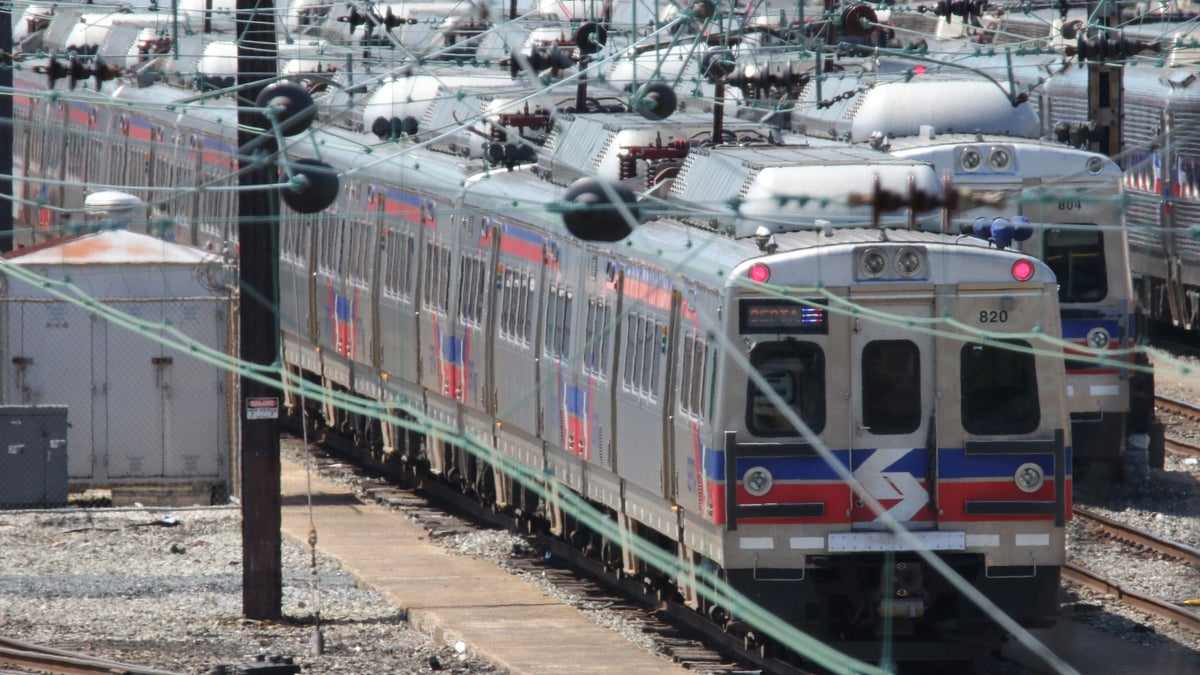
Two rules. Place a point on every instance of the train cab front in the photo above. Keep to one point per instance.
(896, 447)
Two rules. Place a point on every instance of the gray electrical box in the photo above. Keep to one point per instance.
(33, 455)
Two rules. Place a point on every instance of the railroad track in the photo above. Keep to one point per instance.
(1177, 406)
(675, 630)
(42, 659)
(1184, 408)
(1183, 616)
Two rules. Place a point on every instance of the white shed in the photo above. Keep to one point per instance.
(78, 321)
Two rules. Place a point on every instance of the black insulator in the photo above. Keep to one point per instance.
(859, 19)
(409, 125)
(526, 153)
(390, 20)
(1077, 134)
(717, 64)
(54, 71)
(293, 107)
(590, 37)
(591, 215)
(512, 154)
(381, 127)
(627, 167)
(965, 9)
(656, 101)
(495, 152)
(317, 189)
(1101, 48)
(702, 9)
(76, 70)
(354, 18)
(541, 58)
(102, 72)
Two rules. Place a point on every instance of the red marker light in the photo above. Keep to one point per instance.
(1022, 270)
(760, 273)
(919, 70)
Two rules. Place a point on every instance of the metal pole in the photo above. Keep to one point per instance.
(258, 237)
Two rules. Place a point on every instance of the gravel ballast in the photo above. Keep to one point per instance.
(164, 588)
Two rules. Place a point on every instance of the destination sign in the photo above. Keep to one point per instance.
(782, 316)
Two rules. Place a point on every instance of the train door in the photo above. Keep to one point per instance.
(892, 398)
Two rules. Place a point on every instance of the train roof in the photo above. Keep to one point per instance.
(822, 256)
(1005, 158)
(782, 188)
(591, 144)
(894, 109)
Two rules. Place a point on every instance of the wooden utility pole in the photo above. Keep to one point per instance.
(6, 128)
(1106, 85)
(258, 237)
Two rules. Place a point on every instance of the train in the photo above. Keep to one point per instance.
(1158, 153)
(855, 422)
(969, 129)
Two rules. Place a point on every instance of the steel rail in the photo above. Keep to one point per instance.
(62, 662)
(1183, 617)
(1181, 447)
(1142, 538)
(1177, 406)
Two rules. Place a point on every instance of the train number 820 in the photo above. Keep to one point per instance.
(993, 316)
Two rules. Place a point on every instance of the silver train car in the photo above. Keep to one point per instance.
(970, 131)
(1160, 151)
(753, 381)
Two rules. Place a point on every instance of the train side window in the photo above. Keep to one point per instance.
(642, 356)
(794, 370)
(516, 291)
(470, 290)
(693, 375)
(999, 389)
(595, 356)
(558, 321)
(437, 277)
(398, 252)
(1076, 255)
(891, 387)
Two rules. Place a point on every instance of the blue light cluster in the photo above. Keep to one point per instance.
(1003, 231)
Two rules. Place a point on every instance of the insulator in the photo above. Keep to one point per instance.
(1101, 48)
(859, 19)
(717, 64)
(590, 38)
(627, 167)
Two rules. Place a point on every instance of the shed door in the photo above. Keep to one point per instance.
(131, 369)
(49, 363)
(195, 416)
(892, 385)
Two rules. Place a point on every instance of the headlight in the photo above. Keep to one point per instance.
(1029, 477)
(999, 159)
(909, 262)
(1098, 338)
(969, 160)
(872, 263)
(758, 481)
